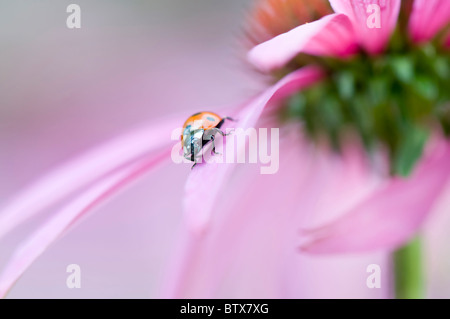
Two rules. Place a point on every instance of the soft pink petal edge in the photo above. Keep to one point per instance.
(332, 35)
(86, 169)
(360, 12)
(388, 217)
(65, 218)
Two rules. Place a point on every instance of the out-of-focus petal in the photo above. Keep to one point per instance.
(339, 181)
(427, 18)
(388, 217)
(46, 234)
(202, 264)
(332, 35)
(254, 230)
(364, 14)
(206, 180)
(85, 170)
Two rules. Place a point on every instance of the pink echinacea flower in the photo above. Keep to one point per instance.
(360, 97)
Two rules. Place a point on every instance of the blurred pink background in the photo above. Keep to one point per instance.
(64, 91)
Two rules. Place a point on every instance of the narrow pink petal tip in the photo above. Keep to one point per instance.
(428, 18)
(84, 170)
(388, 217)
(372, 20)
(205, 181)
(64, 219)
(96, 176)
(332, 35)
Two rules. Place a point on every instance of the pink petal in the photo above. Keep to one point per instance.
(372, 37)
(84, 170)
(39, 241)
(206, 180)
(427, 18)
(200, 264)
(332, 35)
(338, 181)
(388, 217)
(254, 230)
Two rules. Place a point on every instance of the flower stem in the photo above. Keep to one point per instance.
(408, 269)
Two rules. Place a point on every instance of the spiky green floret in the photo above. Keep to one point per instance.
(395, 99)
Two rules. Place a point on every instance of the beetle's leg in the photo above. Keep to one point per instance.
(229, 133)
(213, 151)
(216, 130)
(229, 118)
(194, 160)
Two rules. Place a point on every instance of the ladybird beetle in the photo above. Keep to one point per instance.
(198, 130)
